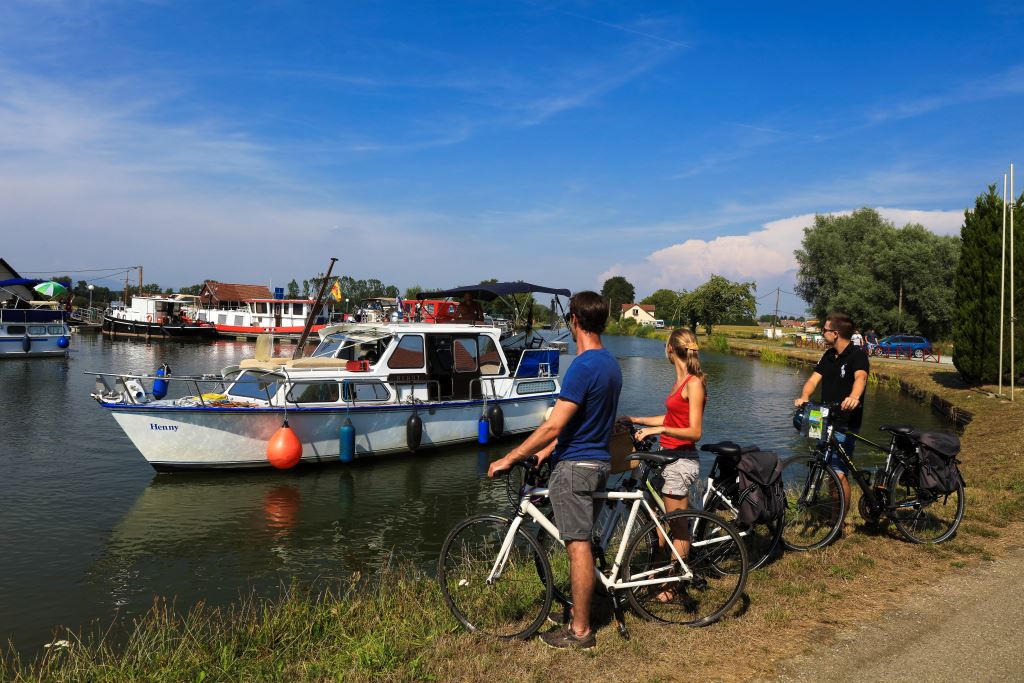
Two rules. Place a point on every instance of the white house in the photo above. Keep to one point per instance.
(643, 314)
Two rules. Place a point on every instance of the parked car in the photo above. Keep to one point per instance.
(659, 323)
(902, 345)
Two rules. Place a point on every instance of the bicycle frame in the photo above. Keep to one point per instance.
(611, 581)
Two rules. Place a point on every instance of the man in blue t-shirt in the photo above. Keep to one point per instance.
(576, 437)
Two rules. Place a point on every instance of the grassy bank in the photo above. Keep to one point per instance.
(400, 630)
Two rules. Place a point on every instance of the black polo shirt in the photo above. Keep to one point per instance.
(837, 374)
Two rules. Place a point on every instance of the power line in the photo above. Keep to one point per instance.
(82, 270)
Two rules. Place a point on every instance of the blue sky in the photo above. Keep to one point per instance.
(441, 143)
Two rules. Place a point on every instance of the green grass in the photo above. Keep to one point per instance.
(717, 342)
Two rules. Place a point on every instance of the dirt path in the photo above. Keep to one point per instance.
(967, 627)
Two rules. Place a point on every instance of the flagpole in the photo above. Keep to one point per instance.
(1002, 292)
(1013, 320)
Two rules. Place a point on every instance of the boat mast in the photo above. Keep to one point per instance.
(313, 311)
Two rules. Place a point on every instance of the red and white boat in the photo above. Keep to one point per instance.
(254, 317)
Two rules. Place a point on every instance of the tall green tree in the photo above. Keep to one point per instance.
(618, 290)
(717, 300)
(977, 286)
(667, 304)
(293, 289)
(888, 278)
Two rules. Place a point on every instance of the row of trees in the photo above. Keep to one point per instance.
(717, 301)
(887, 278)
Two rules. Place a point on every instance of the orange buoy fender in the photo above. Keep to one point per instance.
(284, 450)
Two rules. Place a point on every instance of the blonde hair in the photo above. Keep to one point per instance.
(683, 344)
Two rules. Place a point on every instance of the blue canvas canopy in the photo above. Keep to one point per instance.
(19, 281)
(494, 290)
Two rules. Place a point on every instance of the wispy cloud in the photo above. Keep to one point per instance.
(1004, 84)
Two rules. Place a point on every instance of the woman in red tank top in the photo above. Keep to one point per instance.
(680, 427)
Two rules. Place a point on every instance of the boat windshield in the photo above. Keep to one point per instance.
(352, 347)
(256, 384)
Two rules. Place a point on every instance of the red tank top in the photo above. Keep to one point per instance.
(677, 414)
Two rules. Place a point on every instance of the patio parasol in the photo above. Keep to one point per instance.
(50, 289)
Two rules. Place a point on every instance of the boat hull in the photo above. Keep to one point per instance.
(173, 437)
(117, 327)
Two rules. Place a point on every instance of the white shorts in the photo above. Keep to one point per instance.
(680, 476)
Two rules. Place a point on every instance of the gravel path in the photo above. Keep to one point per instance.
(969, 627)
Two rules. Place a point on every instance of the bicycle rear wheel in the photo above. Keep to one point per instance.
(513, 605)
(717, 562)
(815, 504)
(761, 540)
(922, 516)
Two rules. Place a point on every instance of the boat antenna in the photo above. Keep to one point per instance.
(314, 311)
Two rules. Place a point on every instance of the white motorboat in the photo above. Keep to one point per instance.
(30, 329)
(383, 378)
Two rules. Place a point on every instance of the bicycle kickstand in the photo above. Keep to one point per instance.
(620, 617)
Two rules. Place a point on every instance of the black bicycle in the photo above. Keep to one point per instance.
(816, 503)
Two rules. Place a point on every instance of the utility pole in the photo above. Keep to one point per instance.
(775, 335)
(140, 277)
(899, 315)
(124, 294)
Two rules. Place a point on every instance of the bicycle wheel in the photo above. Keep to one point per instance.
(922, 516)
(717, 563)
(516, 603)
(815, 504)
(761, 539)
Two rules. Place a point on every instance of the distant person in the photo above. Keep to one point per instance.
(872, 339)
(843, 375)
(857, 340)
(469, 309)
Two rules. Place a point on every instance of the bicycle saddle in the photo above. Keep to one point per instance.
(902, 430)
(728, 448)
(654, 458)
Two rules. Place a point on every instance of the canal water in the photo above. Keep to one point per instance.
(91, 533)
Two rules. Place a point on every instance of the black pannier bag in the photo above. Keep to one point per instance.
(761, 496)
(937, 463)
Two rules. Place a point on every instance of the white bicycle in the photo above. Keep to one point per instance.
(497, 579)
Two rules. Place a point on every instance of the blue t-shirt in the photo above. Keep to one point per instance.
(592, 382)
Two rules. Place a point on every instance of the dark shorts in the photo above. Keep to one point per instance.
(570, 487)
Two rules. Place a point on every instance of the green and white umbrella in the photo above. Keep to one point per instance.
(50, 289)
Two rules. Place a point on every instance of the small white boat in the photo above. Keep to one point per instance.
(383, 378)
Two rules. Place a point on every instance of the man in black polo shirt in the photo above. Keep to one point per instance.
(843, 375)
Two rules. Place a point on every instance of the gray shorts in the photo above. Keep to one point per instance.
(680, 476)
(569, 488)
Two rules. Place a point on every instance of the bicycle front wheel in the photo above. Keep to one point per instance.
(700, 594)
(761, 539)
(922, 516)
(815, 504)
(516, 600)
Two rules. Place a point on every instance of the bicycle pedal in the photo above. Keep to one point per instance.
(699, 583)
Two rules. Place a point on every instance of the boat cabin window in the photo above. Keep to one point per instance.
(261, 306)
(465, 354)
(490, 359)
(37, 329)
(55, 329)
(255, 384)
(408, 354)
(349, 348)
(314, 392)
(364, 391)
(296, 309)
(15, 329)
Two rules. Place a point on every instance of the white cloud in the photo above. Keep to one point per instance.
(763, 254)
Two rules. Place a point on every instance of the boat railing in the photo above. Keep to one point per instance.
(202, 384)
(493, 395)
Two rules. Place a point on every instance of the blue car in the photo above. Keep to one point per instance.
(903, 345)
